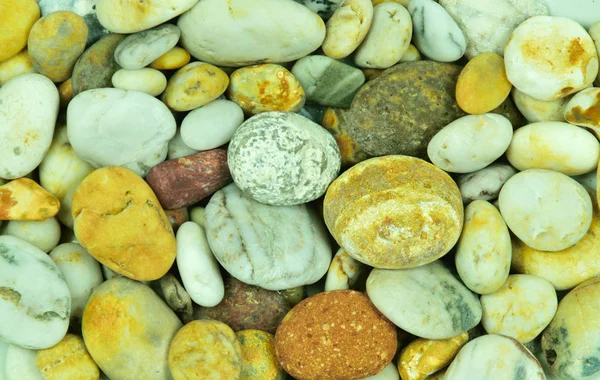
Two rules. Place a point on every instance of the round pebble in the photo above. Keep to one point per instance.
(538, 110)
(18, 16)
(347, 28)
(174, 59)
(258, 356)
(150, 81)
(423, 357)
(140, 49)
(15, 66)
(43, 234)
(69, 359)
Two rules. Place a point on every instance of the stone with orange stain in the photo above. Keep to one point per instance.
(336, 123)
(205, 350)
(267, 87)
(549, 58)
(394, 212)
(120, 222)
(583, 110)
(17, 65)
(127, 330)
(17, 17)
(194, 85)
(69, 359)
(343, 272)
(258, 356)
(24, 199)
(174, 59)
(347, 28)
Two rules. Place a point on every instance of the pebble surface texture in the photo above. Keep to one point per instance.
(313, 342)
(283, 159)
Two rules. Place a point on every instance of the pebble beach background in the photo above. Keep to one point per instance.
(299, 189)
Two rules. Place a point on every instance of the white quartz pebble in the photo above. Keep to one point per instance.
(588, 180)
(484, 184)
(343, 271)
(539, 110)
(150, 81)
(44, 234)
(198, 267)
(20, 364)
(177, 148)
(140, 49)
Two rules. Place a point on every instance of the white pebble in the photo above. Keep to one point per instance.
(343, 271)
(212, 125)
(44, 234)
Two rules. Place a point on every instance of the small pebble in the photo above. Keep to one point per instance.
(24, 199)
(323, 8)
(258, 356)
(150, 81)
(390, 372)
(197, 216)
(343, 272)
(18, 17)
(538, 110)
(174, 59)
(484, 184)
(44, 234)
(176, 297)
(65, 93)
(139, 50)
(69, 359)
(177, 217)
(15, 66)
(347, 28)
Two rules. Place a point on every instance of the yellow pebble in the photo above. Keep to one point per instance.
(258, 356)
(174, 59)
(24, 199)
(268, 87)
(205, 349)
(194, 85)
(424, 357)
(65, 92)
(17, 65)
(411, 54)
(68, 360)
(55, 43)
(482, 84)
(16, 19)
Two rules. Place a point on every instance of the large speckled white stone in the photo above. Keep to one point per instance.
(282, 158)
(35, 302)
(112, 127)
(274, 247)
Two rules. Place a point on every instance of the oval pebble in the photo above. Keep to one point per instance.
(69, 359)
(174, 59)
(426, 301)
(175, 295)
(470, 143)
(140, 49)
(150, 81)
(35, 303)
(583, 109)
(258, 356)
(423, 357)
(545, 209)
(347, 28)
(343, 271)
(484, 184)
(554, 145)
(43, 234)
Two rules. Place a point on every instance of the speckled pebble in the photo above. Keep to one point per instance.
(69, 359)
(258, 356)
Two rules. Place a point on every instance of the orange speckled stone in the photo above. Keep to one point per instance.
(394, 212)
(24, 199)
(334, 120)
(67, 360)
(337, 335)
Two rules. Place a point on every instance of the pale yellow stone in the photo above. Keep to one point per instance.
(194, 85)
(17, 65)
(258, 356)
(347, 28)
(150, 81)
(411, 54)
(68, 360)
(24, 199)
(16, 20)
(174, 59)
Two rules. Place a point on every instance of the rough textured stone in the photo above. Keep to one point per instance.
(69, 359)
(336, 122)
(258, 356)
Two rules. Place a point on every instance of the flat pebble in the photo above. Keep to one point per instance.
(272, 247)
(282, 158)
(124, 308)
(554, 145)
(177, 148)
(258, 356)
(211, 125)
(583, 109)
(205, 350)
(97, 65)
(24, 199)
(347, 28)
(44, 234)
(371, 229)
(35, 302)
(69, 359)
(539, 110)
(544, 39)
(545, 209)
(174, 59)
(336, 121)
(343, 271)
(140, 49)
(267, 87)
(147, 80)
(19, 16)
(15, 66)
(424, 357)
(484, 184)
(20, 364)
(28, 112)
(426, 301)
(112, 127)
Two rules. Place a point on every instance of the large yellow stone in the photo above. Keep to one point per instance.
(174, 59)
(17, 65)
(55, 43)
(482, 84)
(121, 223)
(258, 356)
(16, 19)
(24, 199)
(68, 360)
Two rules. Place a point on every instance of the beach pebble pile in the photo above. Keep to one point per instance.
(299, 189)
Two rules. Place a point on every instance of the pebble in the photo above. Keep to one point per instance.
(97, 65)
(536, 110)
(150, 81)
(323, 8)
(545, 209)
(583, 109)
(482, 85)
(495, 357)
(328, 82)
(175, 295)
(121, 308)
(55, 43)
(236, 33)
(15, 66)
(570, 341)
(335, 120)
(194, 85)
(197, 216)
(35, 302)
(361, 211)
(483, 252)
(82, 273)
(554, 145)
(343, 272)
(18, 16)
(112, 127)
(28, 112)
(65, 93)
(544, 39)
(115, 202)
(585, 12)
(388, 38)
(470, 143)
(187, 180)
(264, 88)
(258, 356)
(20, 364)
(174, 59)
(588, 180)
(3, 349)
(272, 247)
(177, 148)
(347, 28)
(205, 350)
(61, 171)
(69, 359)
(198, 267)
(426, 301)
(445, 42)
(212, 125)
(141, 49)
(335, 335)
(132, 17)
(24, 199)
(247, 307)
(282, 158)
(43, 234)
(484, 184)
(424, 357)
(487, 24)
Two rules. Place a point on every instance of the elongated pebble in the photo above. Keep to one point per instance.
(539, 110)
(424, 357)
(258, 356)
(44, 234)
(17, 65)
(140, 49)
(347, 28)
(174, 59)
(147, 80)
(484, 184)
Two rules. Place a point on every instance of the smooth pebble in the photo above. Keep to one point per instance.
(147, 80)
(69, 359)
(484, 184)
(15, 66)
(347, 28)
(343, 271)
(140, 49)
(583, 109)
(19, 16)
(174, 59)
(44, 234)
(20, 364)
(539, 110)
